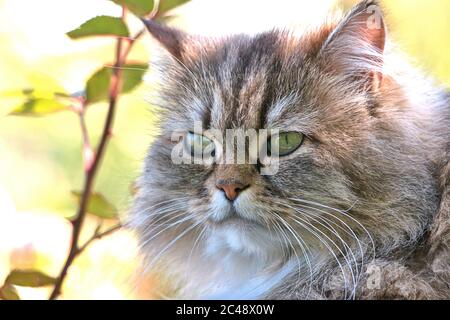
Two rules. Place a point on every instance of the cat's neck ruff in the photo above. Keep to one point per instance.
(253, 287)
(227, 269)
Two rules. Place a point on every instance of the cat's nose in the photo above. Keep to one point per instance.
(231, 190)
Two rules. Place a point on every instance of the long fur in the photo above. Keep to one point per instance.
(361, 210)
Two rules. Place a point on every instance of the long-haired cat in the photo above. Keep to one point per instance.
(360, 204)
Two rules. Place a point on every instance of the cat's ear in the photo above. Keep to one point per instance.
(173, 40)
(356, 46)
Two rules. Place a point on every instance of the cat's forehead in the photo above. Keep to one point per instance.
(246, 82)
(244, 79)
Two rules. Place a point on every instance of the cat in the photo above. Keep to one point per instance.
(359, 207)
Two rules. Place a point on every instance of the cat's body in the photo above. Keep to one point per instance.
(360, 210)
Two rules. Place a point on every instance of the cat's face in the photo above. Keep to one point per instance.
(257, 84)
(340, 174)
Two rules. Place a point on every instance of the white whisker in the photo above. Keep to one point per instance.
(171, 243)
(346, 215)
(166, 228)
(350, 232)
(302, 245)
(305, 224)
(347, 248)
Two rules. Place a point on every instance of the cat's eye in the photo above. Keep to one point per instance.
(284, 143)
(198, 144)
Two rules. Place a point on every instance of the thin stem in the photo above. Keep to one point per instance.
(90, 171)
(131, 42)
(153, 15)
(98, 235)
(88, 152)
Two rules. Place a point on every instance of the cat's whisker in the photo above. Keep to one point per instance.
(287, 246)
(263, 217)
(350, 232)
(141, 211)
(306, 225)
(304, 250)
(290, 244)
(169, 214)
(166, 223)
(298, 262)
(125, 68)
(330, 228)
(172, 216)
(327, 226)
(171, 243)
(153, 210)
(199, 236)
(147, 221)
(160, 212)
(168, 227)
(330, 224)
(344, 214)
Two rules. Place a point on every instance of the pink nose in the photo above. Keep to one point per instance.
(231, 190)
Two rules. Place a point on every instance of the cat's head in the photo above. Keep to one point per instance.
(350, 164)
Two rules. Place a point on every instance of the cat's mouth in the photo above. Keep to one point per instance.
(224, 213)
(234, 220)
(241, 234)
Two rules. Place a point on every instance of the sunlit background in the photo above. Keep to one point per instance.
(40, 158)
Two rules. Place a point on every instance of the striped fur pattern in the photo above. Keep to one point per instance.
(361, 210)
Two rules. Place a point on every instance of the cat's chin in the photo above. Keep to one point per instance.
(241, 235)
(234, 222)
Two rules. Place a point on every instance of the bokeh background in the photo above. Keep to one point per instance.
(40, 158)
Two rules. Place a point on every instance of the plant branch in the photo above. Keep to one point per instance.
(88, 152)
(90, 171)
(131, 42)
(98, 235)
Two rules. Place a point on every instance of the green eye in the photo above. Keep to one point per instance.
(199, 145)
(284, 143)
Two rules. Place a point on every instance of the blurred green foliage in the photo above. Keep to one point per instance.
(142, 7)
(101, 26)
(97, 86)
(106, 84)
(99, 206)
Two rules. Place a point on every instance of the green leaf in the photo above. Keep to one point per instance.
(101, 25)
(33, 93)
(99, 206)
(138, 7)
(97, 88)
(8, 292)
(167, 5)
(29, 278)
(39, 107)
